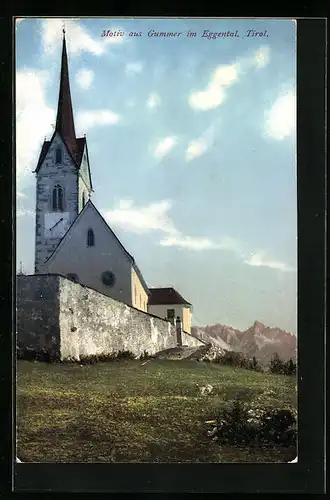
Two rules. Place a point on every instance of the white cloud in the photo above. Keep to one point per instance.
(214, 94)
(199, 146)
(262, 56)
(154, 217)
(33, 120)
(77, 37)
(22, 213)
(258, 59)
(196, 148)
(154, 100)
(198, 244)
(133, 68)
(113, 40)
(19, 194)
(224, 76)
(280, 119)
(93, 118)
(142, 219)
(164, 146)
(259, 260)
(189, 242)
(84, 78)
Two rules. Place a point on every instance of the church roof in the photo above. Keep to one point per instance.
(129, 256)
(165, 296)
(64, 119)
(77, 157)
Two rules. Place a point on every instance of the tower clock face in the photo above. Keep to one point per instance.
(56, 224)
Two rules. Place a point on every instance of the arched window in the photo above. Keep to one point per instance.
(90, 238)
(83, 199)
(57, 200)
(58, 156)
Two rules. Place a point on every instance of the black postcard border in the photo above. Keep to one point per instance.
(305, 477)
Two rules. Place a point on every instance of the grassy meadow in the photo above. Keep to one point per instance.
(132, 411)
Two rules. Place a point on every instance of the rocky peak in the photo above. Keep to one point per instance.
(258, 326)
(259, 340)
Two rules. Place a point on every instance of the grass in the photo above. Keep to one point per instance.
(128, 412)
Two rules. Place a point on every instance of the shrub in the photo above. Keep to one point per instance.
(239, 424)
(278, 366)
(89, 359)
(233, 427)
(125, 355)
(275, 364)
(48, 356)
(291, 367)
(104, 357)
(278, 426)
(253, 364)
(145, 356)
(238, 359)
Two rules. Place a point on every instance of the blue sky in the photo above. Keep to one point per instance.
(192, 144)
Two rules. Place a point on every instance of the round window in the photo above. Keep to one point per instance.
(108, 278)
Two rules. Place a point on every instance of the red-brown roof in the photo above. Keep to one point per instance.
(43, 154)
(64, 119)
(77, 156)
(80, 145)
(162, 296)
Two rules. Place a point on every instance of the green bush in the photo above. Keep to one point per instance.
(125, 355)
(232, 426)
(48, 356)
(103, 357)
(291, 367)
(239, 425)
(238, 359)
(145, 356)
(253, 364)
(278, 426)
(278, 366)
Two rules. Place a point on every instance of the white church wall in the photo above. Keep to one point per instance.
(84, 187)
(82, 190)
(74, 256)
(50, 174)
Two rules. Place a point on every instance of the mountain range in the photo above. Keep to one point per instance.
(259, 340)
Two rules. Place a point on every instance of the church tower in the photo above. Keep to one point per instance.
(64, 183)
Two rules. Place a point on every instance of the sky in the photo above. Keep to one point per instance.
(192, 148)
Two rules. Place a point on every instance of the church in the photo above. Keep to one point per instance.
(72, 238)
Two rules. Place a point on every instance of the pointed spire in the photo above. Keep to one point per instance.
(64, 120)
